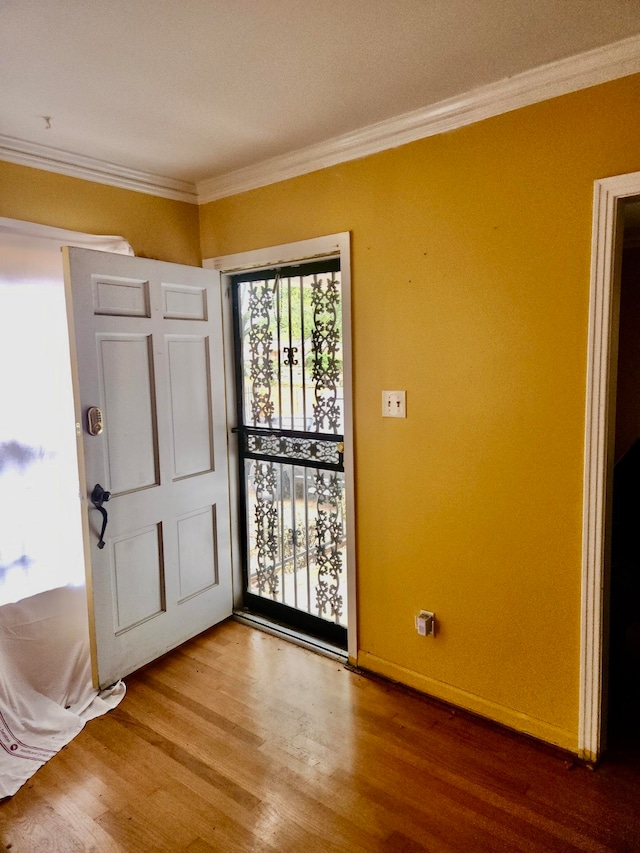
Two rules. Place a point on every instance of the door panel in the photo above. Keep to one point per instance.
(120, 296)
(146, 340)
(188, 362)
(125, 374)
(197, 558)
(138, 577)
(184, 303)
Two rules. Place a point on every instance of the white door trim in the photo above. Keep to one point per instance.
(330, 246)
(609, 194)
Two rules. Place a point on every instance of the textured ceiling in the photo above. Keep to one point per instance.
(199, 88)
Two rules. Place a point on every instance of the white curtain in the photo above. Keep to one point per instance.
(45, 684)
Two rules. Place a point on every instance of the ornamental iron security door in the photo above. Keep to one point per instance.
(289, 377)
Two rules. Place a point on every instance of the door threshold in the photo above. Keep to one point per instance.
(314, 644)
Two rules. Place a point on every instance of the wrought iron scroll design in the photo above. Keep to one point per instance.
(290, 359)
(289, 367)
(310, 449)
(261, 369)
(266, 519)
(329, 539)
(326, 341)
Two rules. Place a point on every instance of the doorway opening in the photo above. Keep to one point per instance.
(614, 201)
(623, 692)
(40, 523)
(40, 534)
(46, 691)
(288, 368)
(290, 424)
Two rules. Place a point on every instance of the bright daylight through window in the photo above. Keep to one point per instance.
(40, 535)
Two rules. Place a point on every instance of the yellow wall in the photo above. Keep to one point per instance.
(471, 255)
(155, 227)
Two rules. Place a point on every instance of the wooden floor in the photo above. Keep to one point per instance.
(241, 742)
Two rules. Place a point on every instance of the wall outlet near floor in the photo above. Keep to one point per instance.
(426, 623)
(394, 404)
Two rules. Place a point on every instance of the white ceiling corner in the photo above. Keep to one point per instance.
(205, 99)
(550, 81)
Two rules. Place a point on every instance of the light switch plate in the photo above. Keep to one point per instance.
(394, 404)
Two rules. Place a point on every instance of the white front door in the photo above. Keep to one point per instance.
(147, 351)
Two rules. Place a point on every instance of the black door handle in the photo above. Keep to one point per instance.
(98, 497)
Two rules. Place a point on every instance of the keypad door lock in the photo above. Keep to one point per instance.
(94, 421)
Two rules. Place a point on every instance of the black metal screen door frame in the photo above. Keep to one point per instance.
(303, 465)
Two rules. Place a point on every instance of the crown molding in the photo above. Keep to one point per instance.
(548, 81)
(89, 169)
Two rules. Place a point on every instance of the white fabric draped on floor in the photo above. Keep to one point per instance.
(46, 695)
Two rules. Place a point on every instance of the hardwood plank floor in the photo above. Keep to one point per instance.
(240, 741)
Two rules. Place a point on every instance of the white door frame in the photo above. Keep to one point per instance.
(333, 245)
(609, 197)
